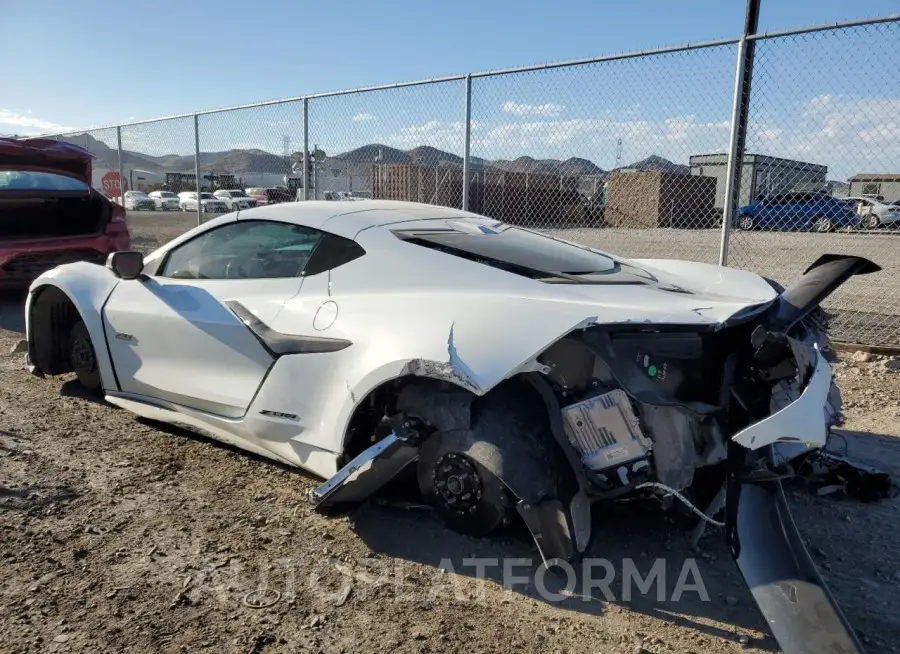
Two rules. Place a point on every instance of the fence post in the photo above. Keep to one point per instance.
(467, 172)
(735, 166)
(306, 149)
(121, 167)
(197, 168)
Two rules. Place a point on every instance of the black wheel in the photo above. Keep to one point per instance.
(870, 221)
(823, 224)
(83, 358)
(475, 477)
(468, 497)
(747, 222)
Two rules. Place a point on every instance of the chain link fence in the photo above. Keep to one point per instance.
(628, 153)
(821, 170)
(601, 153)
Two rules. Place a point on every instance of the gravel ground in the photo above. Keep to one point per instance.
(121, 535)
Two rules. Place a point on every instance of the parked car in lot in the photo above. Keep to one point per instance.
(165, 201)
(49, 214)
(236, 199)
(818, 212)
(138, 201)
(187, 200)
(272, 195)
(874, 213)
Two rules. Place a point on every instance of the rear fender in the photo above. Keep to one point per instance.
(458, 355)
(87, 286)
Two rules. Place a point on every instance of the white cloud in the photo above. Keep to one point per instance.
(594, 138)
(362, 117)
(448, 135)
(849, 135)
(518, 109)
(28, 125)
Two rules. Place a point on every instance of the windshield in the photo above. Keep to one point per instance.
(237, 194)
(24, 180)
(135, 194)
(208, 196)
(499, 243)
(167, 194)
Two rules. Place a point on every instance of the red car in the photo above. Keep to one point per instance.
(49, 213)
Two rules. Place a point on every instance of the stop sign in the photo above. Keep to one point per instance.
(111, 184)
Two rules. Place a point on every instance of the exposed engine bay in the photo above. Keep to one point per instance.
(654, 406)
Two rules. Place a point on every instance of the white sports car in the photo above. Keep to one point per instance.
(513, 373)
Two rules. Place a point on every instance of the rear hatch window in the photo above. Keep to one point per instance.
(522, 252)
(41, 182)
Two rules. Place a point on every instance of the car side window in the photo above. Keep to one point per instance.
(244, 250)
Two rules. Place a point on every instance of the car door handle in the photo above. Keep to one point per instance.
(125, 337)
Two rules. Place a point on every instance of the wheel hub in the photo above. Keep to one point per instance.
(82, 356)
(457, 483)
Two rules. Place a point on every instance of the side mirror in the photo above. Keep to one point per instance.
(127, 264)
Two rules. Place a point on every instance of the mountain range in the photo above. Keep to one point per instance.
(242, 161)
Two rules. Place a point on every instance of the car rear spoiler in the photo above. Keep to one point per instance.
(818, 281)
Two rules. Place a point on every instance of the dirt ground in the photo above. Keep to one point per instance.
(124, 536)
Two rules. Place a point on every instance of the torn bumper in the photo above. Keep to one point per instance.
(803, 421)
(769, 552)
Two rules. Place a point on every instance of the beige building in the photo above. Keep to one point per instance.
(885, 186)
(656, 199)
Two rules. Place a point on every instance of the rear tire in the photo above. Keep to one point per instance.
(467, 497)
(823, 224)
(83, 357)
(871, 221)
(747, 222)
(475, 477)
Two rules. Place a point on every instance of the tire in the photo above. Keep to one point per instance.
(747, 222)
(823, 224)
(83, 358)
(870, 221)
(459, 471)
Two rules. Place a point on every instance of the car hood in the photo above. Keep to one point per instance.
(46, 156)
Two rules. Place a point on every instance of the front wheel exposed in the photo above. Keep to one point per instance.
(83, 358)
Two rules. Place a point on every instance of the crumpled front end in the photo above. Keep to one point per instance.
(638, 409)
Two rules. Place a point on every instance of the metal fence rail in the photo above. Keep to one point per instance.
(632, 153)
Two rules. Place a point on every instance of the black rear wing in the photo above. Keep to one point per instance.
(818, 281)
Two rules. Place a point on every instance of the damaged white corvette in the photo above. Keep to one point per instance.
(516, 374)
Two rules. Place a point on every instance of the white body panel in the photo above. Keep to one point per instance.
(177, 341)
(406, 309)
(802, 421)
(88, 286)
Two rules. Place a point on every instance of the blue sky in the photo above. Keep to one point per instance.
(98, 62)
